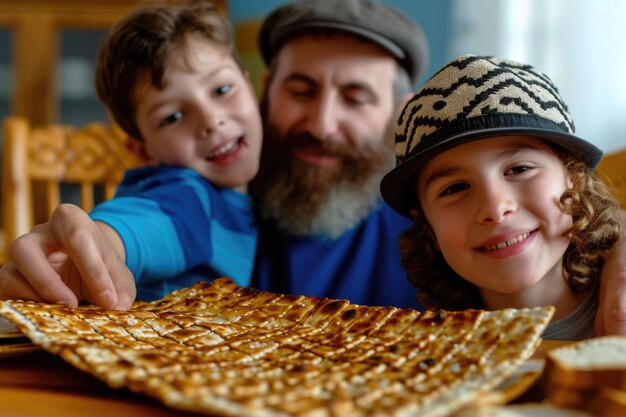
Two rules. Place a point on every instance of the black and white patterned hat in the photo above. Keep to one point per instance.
(472, 98)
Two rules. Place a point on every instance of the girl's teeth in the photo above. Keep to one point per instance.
(509, 242)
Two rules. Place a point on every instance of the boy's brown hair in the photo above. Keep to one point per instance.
(140, 45)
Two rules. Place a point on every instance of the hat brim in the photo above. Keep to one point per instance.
(397, 184)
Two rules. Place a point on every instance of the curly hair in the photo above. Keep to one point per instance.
(594, 231)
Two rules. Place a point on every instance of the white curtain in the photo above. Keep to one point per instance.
(579, 44)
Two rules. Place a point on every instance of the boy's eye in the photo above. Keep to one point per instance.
(172, 118)
(454, 188)
(223, 89)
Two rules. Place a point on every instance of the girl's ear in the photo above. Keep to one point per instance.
(138, 147)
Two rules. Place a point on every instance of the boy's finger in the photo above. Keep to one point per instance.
(13, 285)
(124, 286)
(28, 256)
(81, 239)
(86, 253)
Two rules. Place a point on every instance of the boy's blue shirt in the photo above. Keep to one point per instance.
(178, 228)
(363, 265)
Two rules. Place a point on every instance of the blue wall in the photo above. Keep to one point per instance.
(432, 15)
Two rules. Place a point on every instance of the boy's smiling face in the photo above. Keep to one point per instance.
(205, 118)
(493, 205)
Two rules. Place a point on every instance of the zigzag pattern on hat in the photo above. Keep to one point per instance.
(479, 91)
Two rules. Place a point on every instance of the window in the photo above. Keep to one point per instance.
(577, 43)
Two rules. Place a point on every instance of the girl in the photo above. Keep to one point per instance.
(507, 211)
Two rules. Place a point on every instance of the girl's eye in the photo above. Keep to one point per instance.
(223, 89)
(172, 118)
(454, 188)
(518, 169)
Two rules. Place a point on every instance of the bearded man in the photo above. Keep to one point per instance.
(338, 73)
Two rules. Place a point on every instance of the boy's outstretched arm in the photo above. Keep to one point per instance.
(69, 259)
(611, 315)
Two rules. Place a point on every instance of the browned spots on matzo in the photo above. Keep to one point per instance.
(224, 350)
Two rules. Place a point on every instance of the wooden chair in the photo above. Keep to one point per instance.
(38, 162)
(612, 170)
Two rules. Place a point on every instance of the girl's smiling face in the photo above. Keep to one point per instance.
(493, 205)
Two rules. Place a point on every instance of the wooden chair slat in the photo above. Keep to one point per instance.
(41, 160)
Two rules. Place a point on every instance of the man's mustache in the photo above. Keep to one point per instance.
(322, 147)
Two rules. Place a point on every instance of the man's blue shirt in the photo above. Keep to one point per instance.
(363, 265)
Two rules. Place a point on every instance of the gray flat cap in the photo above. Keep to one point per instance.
(380, 23)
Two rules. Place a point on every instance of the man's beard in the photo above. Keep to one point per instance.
(309, 200)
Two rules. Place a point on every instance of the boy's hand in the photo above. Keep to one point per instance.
(66, 260)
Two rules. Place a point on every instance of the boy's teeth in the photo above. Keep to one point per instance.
(227, 147)
(509, 242)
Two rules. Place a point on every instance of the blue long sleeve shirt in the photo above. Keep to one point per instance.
(178, 228)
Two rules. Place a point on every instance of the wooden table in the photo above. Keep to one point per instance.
(39, 384)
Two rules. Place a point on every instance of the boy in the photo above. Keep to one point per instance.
(507, 210)
(170, 77)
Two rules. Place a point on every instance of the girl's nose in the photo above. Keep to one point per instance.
(495, 204)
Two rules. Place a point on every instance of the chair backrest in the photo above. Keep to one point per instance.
(612, 170)
(38, 161)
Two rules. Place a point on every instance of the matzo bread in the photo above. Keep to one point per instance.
(221, 349)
